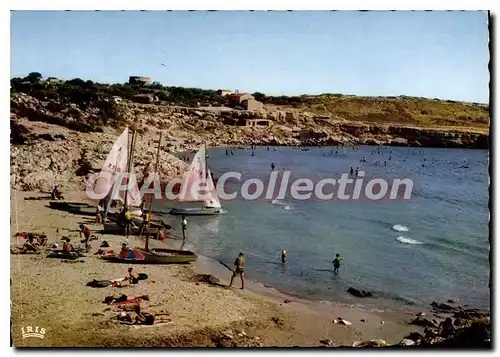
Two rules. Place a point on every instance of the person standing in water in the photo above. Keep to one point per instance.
(272, 166)
(239, 264)
(184, 227)
(336, 263)
(283, 256)
(357, 170)
(352, 170)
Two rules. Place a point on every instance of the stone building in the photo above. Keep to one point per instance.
(224, 92)
(243, 101)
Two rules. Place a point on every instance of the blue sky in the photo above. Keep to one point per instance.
(430, 54)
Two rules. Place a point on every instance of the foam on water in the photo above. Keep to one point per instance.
(407, 240)
(400, 228)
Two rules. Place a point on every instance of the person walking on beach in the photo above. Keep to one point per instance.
(86, 231)
(336, 263)
(239, 264)
(352, 170)
(357, 171)
(184, 227)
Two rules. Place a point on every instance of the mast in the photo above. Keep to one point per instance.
(151, 200)
(129, 163)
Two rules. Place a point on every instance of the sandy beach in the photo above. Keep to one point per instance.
(52, 294)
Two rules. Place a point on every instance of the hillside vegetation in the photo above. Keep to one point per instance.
(402, 110)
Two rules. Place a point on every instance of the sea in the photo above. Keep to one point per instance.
(407, 252)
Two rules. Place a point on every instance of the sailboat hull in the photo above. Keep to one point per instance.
(158, 256)
(198, 211)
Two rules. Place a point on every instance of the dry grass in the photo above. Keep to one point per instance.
(416, 111)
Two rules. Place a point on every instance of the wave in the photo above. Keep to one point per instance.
(400, 228)
(408, 240)
(288, 207)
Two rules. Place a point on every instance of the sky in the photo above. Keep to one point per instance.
(430, 54)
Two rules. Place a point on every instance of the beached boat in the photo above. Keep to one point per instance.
(153, 256)
(73, 207)
(198, 178)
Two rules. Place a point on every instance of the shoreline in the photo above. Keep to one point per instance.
(44, 290)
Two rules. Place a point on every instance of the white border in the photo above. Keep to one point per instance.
(185, 4)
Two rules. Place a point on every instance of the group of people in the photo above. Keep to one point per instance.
(239, 266)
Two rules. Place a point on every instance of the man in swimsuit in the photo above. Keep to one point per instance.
(86, 233)
(127, 215)
(239, 263)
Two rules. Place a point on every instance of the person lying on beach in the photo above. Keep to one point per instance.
(239, 263)
(30, 245)
(143, 318)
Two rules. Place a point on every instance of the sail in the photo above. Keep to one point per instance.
(194, 178)
(213, 199)
(115, 164)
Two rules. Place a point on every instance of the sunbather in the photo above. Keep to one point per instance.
(30, 245)
(67, 246)
(132, 277)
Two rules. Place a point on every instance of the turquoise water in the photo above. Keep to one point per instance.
(431, 247)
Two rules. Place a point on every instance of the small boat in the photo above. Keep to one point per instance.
(153, 256)
(196, 211)
(111, 226)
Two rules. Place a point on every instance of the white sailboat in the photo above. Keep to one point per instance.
(118, 162)
(198, 188)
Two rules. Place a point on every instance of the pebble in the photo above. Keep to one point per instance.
(326, 342)
(341, 321)
(406, 342)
